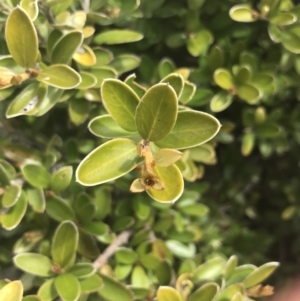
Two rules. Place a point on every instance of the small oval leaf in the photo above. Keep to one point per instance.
(13, 291)
(117, 36)
(68, 287)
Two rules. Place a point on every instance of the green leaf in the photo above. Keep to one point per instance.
(47, 291)
(78, 110)
(164, 272)
(195, 210)
(126, 256)
(199, 42)
(231, 264)
(68, 287)
(65, 47)
(11, 195)
(13, 217)
(240, 273)
(248, 142)
(291, 42)
(88, 80)
(215, 58)
(27, 102)
(166, 157)
(165, 67)
(61, 179)
(188, 92)
(113, 290)
(91, 284)
(59, 76)
(221, 101)
(31, 8)
(125, 62)
(166, 293)
(139, 277)
(181, 250)
(33, 263)
(95, 228)
(109, 161)
(117, 36)
(156, 113)
(121, 102)
(21, 38)
(36, 175)
(105, 127)
(103, 73)
(242, 13)
(103, 56)
(13, 291)
(184, 135)
(210, 270)
(223, 79)
(64, 245)
(260, 274)
(172, 181)
(283, 18)
(59, 210)
(249, 93)
(206, 292)
(229, 292)
(31, 298)
(82, 270)
(176, 81)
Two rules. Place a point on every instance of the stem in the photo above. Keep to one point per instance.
(120, 240)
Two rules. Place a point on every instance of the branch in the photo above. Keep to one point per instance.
(120, 240)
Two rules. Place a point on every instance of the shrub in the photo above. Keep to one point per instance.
(118, 181)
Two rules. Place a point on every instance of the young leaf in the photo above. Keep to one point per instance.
(117, 36)
(85, 56)
(13, 291)
(31, 8)
(221, 101)
(242, 13)
(166, 157)
(223, 79)
(206, 292)
(157, 112)
(121, 102)
(60, 76)
(61, 178)
(166, 293)
(64, 244)
(109, 161)
(192, 128)
(21, 38)
(68, 287)
(33, 263)
(172, 181)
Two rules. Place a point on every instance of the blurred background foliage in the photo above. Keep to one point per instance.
(240, 60)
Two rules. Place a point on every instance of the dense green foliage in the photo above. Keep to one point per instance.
(149, 149)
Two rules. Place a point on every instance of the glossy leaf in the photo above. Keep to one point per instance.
(65, 47)
(156, 113)
(47, 291)
(181, 250)
(11, 196)
(183, 135)
(230, 291)
(21, 38)
(223, 79)
(166, 157)
(13, 291)
(64, 245)
(260, 274)
(13, 217)
(109, 161)
(59, 76)
(210, 270)
(117, 36)
(33, 263)
(188, 92)
(283, 18)
(113, 290)
(172, 181)
(166, 293)
(249, 93)
(291, 42)
(61, 178)
(88, 80)
(121, 102)
(68, 287)
(242, 13)
(31, 8)
(82, 270)
(139, 277)
(206, 292)
(36, 175)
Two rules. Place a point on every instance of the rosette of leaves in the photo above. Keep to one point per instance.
(140, 127)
